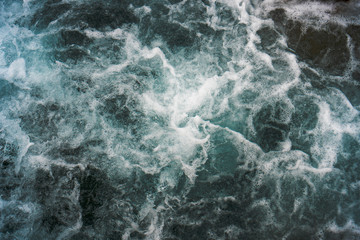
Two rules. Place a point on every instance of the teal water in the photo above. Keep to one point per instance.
(179, 119)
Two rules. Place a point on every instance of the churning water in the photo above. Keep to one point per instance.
(170, 119)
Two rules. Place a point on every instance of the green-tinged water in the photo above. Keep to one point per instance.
(179, 120)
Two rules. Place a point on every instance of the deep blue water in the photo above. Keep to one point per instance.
(179, 120)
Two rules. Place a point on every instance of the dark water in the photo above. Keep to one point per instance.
(179, 119)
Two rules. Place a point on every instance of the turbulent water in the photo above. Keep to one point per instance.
(179, 120)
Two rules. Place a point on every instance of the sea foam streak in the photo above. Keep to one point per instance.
(179, 120)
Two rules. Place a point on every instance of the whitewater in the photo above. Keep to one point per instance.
(179, 119)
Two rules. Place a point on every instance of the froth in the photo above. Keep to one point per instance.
(173, 123)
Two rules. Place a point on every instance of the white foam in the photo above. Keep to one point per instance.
(94, 34)
(118, 34)
(142, 11)
(285, 145)
(349, 226)
(71, 230)
(151, 103)
(27, 207)
(336, 117)
(172, 128)
(148, 211)
(2, 59)
(3, 203)
(17, 70)
(315, 13)
(147, 54)
(260, 56)
(15, 134)
(113, 69)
